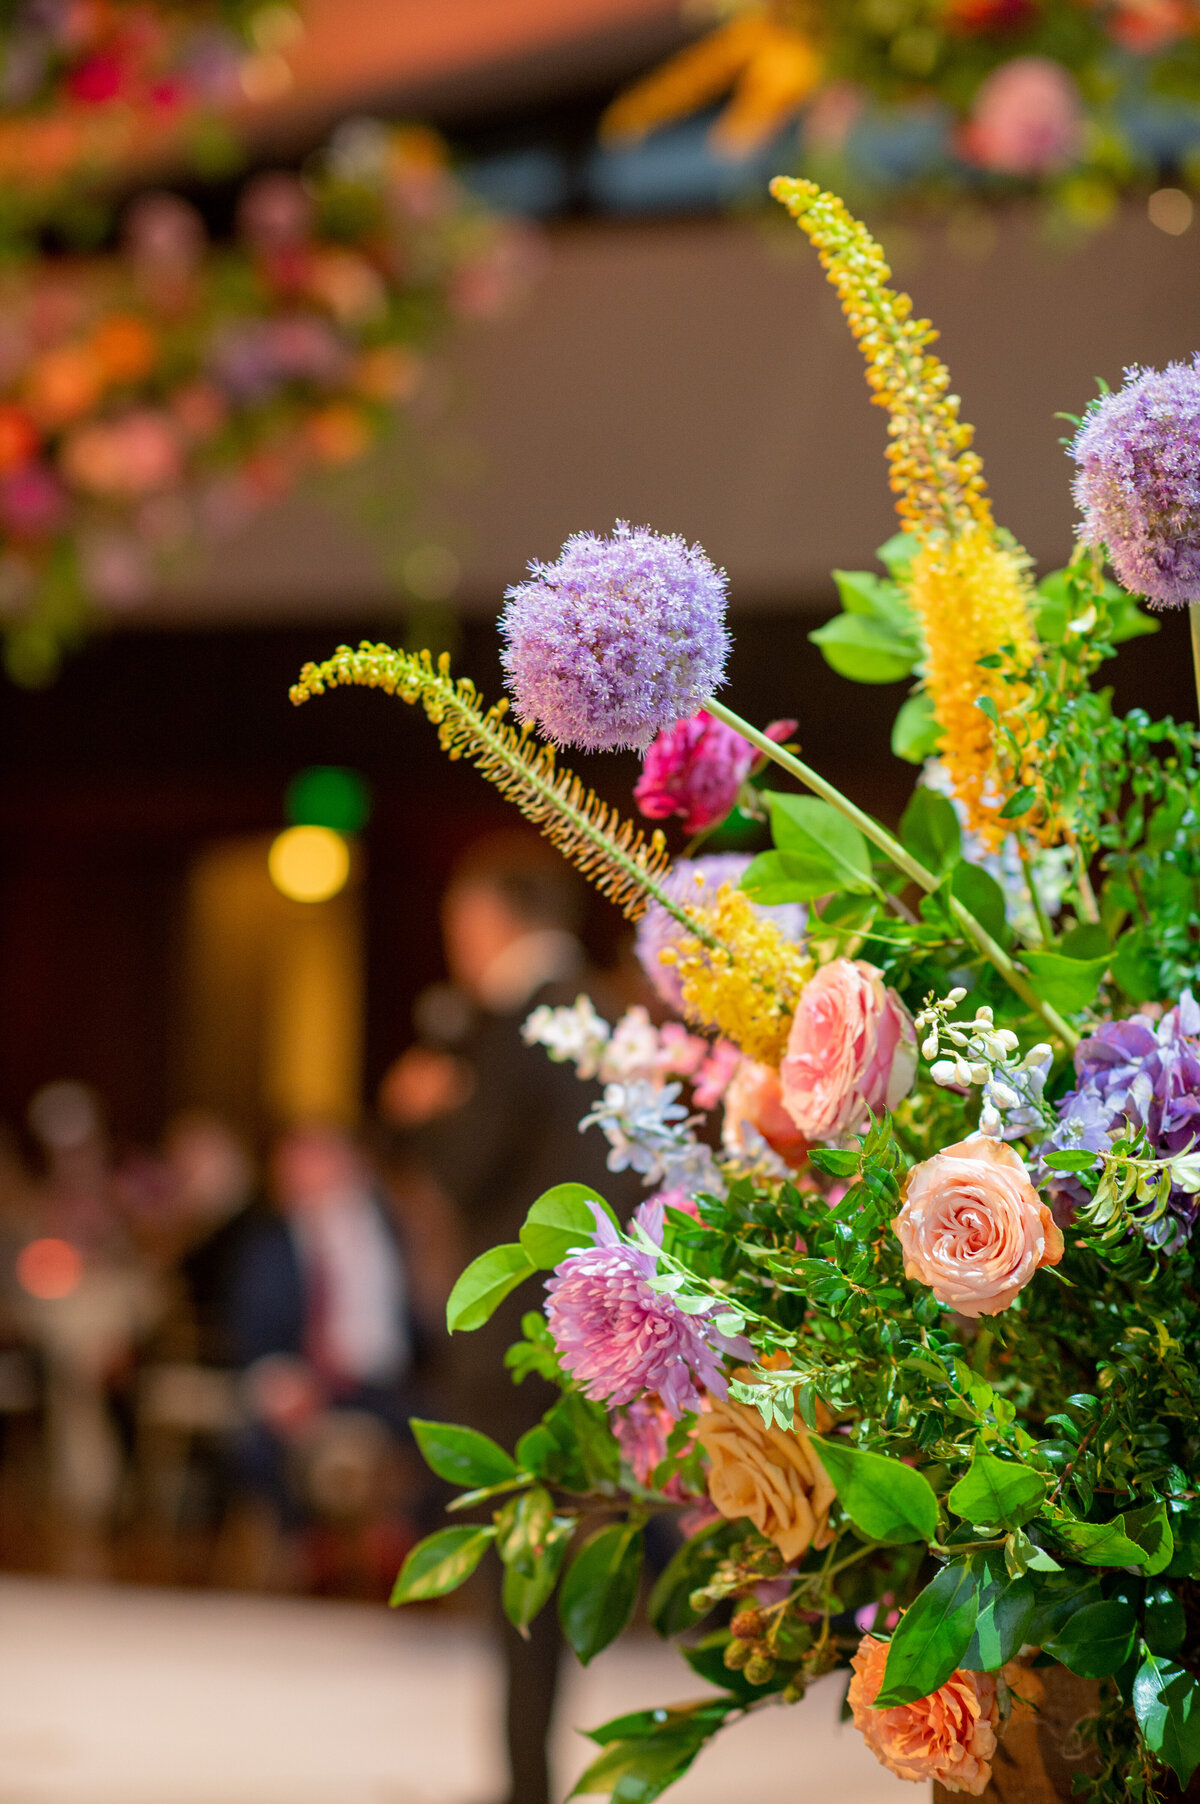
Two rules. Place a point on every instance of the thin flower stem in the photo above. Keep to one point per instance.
(1194, 614)
(1044, 927)
(904, 861)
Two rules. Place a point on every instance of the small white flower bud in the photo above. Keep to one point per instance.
(980, 1073)
(943, 1072)
(983, 1016)
(956, 994)
(1007, 1039)
(962, 1071)
(929, 1047)
(1003, 1097)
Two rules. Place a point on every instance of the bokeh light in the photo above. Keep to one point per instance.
(48, 1269)
(1171, 210)
(309, 864)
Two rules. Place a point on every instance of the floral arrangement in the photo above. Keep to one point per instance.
(905, 1336)
(1077, 100)
(91, 88)
(174, 388)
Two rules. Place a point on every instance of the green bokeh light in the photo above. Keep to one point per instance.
(328, 795)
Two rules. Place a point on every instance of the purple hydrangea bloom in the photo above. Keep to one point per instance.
(620, 638)
(1143, 1074)
(696, 881)
(1138, 485)
(621, 1340)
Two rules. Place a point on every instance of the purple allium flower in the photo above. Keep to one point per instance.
(617, 640)
(696, 769)
(696, 881)
(621, 1340)
(1143, 1074)
(1138, 485)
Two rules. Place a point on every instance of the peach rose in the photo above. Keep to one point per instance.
(852, 1050)
(948, 1737)
(773, 1479)
(973, 1228)
(754, 1100)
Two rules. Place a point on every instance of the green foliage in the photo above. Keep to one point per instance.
(933, 1635)
(484, 1285)
(997, 1493)
(441, 1563)
(600, 1589)
(886, 1500)
(560, 1221)
(462, 1456)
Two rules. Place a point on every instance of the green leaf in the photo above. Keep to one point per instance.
(1150, 1527)
(1019, 803)
(1166, 1702)
(1002, 1627)
(1101, 1543)
(1185, 1531)
(916, 734)
(638, 1767)
(887, 1500)
(864, 649)
(806, 828)
(997, 1493)
(1135, 966)
(932, 1637)
(775, 877)
(533, 1544)
(929, 830)
(484, 1286)
(1070, 1161)
(559, 1222)
(1058, 1595)
(668, 1607)
(441, 1563)
(863, 593)
(1068, 984)
(462, 1456)
(1086, 941)
(1164, 1623)
(979, 892)
(1096, 1641)
(597, 1596)
(898, 553)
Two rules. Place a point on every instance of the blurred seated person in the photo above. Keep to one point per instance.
(317, 1317)
(215, 1207)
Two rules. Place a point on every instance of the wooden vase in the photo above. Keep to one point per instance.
(1036, 1761)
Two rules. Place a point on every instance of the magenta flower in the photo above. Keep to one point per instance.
(1138, 486)
(621, 1340)
(696, 769)
(617, 639)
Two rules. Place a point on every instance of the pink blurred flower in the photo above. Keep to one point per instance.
(754, 1101)
(138, 454)
(852, 1050)
(713, 1077)
(828, 121)
(32, 502)
(696, 769)
(641, 1430)
(1027, 119)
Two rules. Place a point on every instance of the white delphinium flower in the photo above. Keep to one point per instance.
(634, 1051)
(650, 1132)
(575, 1035)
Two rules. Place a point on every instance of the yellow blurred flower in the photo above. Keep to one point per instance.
(749, 988)
(771, 67)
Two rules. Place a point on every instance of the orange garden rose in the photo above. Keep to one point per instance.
(973, 1228)
(754, 1100)
(773, 1479)
(948, 1737)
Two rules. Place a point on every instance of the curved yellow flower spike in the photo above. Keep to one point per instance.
(969, 585)
(771, 67)
(748, 985)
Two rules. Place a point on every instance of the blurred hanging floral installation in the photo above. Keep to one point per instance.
(90, 89)
(157, 391)
(1076, 101)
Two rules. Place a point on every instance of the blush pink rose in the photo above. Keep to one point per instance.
(852, 1051)
(973, 1228)
(754, 1099)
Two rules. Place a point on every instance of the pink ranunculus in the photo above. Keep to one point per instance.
(973, 1228)
(696, 769)
(852, 1051)
(1027, 119)
(754, 1100)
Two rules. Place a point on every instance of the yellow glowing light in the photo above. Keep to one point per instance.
(309, 864)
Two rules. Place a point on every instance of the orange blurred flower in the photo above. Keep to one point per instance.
(63, 384)
(125, 347)
(18, 437)
(387, 373)
(338, 433)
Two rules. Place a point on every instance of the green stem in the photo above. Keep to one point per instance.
(1044, 927)
(904, 861)
(1194, 613)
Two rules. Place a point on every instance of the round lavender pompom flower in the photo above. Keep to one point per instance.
(1138, 485)
(618, 639)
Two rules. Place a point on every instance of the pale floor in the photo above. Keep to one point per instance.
(156, 1697)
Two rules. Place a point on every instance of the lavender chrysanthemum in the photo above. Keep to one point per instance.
(1143, 1074)
(695, 882)
(1138, 485)
(619, 638)
(620, 1339)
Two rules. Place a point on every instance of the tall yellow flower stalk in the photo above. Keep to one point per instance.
(745, 979)
(969, 584)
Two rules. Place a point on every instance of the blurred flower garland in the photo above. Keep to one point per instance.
(1075, 100)
(176, 386)
(92, 88)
